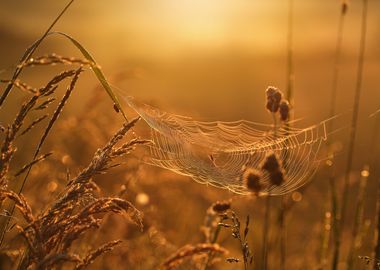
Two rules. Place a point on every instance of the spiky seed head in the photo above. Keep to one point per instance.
(271, 163)
(221, 206)
(252, 180)
(284, 110)
(277, 177)
(274, 97)
(272, 106)
(271, 90)
(277, 96)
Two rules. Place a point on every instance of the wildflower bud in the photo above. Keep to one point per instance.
(271, 163)
(284, 110)
(251, 180)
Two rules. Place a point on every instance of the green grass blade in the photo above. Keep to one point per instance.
(97, 71)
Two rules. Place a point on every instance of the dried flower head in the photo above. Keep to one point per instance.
(274, 97)
(344, 6)
(277, 178)
(252, 180)
(221, 206)
(271, 163)
(284, 110)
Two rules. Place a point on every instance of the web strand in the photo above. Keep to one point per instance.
(217, 153)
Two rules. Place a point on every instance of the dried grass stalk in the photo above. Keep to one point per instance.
(189, 251)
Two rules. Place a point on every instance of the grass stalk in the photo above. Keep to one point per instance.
(266, 225)
(266, 232)
(29, 53)
(376, 177)
(289, 97)
(333, 97)
(353, 130)
(358, 220)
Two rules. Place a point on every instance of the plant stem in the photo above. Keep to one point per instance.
(351, 145)
(375, 176)
(289, 97)
(358, 217)
(29, 52)
(266, 232)
(332, 186)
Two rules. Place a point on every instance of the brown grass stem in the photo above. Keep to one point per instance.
(375, 176)
(44, 91)
(333, 96)
(353, 130)
(358, 219)
(266, 233)
(29, 52)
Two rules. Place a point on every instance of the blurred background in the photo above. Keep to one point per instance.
(211, 60)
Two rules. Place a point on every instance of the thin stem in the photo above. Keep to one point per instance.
(267, 212)
(375, 176)
(29, 53)
(332, 186)
(353, 130)
(266, 232)
(289, 97)
(358, 217)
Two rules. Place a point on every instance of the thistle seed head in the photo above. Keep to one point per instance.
(271, 163)
(274, 97)
(221, 206)
(284, 110)
(277, 178)
(252, 180)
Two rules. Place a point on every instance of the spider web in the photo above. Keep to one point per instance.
(218, 153)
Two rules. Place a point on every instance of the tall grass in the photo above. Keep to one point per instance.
(290, 98)
(53, 236)
(331, 166)
(353, 131)
(375, 176)
(29, 53)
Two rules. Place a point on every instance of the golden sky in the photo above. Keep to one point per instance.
(196, 52)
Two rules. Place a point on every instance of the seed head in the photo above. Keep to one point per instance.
(271, 163)
(274, 97)
(251, 180)
(284, 110)
(344, 7)
(221, 206)
(271, 90)
(277, 178)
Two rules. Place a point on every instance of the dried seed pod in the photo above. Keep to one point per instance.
(271, 90)
(344, 7)
(271, 163)
(221, 206)
(252, 180)
(284, 110)
(277, 178)
(274, 97)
